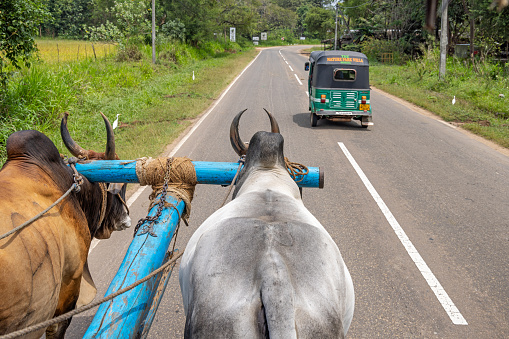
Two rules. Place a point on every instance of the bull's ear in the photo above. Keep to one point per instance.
(87, 288)
(115, 188)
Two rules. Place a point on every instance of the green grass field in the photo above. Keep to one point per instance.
(156, 102)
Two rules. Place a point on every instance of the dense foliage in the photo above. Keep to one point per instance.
(196, 21)
(19, 21)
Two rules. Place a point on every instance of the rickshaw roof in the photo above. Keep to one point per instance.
(338, 58)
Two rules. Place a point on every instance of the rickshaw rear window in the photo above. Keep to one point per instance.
(341, 74)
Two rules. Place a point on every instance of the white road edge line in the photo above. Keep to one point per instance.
(430, 278)
(140, 190)
(296, 77)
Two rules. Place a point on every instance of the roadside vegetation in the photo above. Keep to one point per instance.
(86, 57)
(155, 102)
(480, 90)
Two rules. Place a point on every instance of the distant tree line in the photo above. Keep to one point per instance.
(195, 21)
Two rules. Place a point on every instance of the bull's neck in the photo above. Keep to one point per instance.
(275, 179)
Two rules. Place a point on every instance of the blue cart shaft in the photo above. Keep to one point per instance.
(123, 316)
(215, 173)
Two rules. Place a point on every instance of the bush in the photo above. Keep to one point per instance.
(129, 53)
(373, 48)
(176, 53)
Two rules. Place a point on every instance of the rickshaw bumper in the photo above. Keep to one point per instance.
(367, 121)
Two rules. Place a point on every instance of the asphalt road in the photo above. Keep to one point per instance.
(418, 209)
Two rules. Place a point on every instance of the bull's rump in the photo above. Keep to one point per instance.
(291, 269)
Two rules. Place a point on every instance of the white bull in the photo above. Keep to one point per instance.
(263, 266)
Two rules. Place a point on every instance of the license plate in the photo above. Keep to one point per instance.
(364, 107)
(344, 113)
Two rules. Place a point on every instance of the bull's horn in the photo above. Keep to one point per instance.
(237, 144)
(110, 140)
(72, 146)
(274, 127)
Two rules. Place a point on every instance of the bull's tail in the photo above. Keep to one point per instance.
(276, 317)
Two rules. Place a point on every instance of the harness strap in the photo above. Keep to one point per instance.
(104, 203)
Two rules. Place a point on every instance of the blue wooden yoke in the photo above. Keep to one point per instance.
(217, 173)
(125, 315)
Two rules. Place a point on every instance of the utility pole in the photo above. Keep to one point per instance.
(336, 31)
(443, 39)
(153, 31)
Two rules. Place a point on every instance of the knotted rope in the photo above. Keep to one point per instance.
(181, 182)
(296, 169)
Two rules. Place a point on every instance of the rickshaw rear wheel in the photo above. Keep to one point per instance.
(314, 119)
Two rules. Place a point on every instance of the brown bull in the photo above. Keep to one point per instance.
(42, 266)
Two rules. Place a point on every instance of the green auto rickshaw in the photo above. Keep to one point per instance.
(338, 84)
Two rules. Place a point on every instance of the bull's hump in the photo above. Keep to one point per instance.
(24, 145)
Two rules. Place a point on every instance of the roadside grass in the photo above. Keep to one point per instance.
(482, 96)
(154, 108)
(155, 102)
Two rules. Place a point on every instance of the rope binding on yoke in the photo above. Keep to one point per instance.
(176, 176)
(295, 170)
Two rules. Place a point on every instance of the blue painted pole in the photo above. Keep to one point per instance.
(215, 173)
(123, 316)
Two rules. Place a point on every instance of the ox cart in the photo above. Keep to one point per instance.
(131, 314)
(132, 300)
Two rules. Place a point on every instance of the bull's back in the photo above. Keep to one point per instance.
(34, 260)
(261, 276)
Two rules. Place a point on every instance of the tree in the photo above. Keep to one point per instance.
(491, 26)
(319, 20)
(198, 16)
(242, 15)
(67, 17)
(130, 23)
(273, 17)
(19, 22)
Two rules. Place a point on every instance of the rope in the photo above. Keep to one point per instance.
(241, 163)
(296, 169)
(181, 183)
(25, 224)
(89, 306)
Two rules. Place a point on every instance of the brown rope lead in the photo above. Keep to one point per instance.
(296, 169)
(89, 306)
(241, 163)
